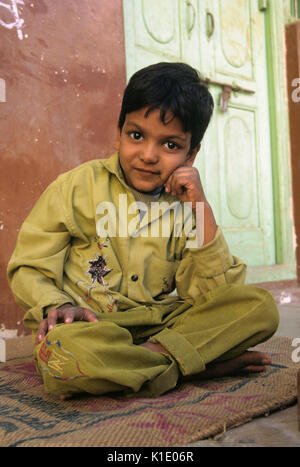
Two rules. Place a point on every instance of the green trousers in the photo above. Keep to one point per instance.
(106, 356)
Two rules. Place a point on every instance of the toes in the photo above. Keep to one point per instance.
(66, 396)
(257, 358)
(254, 369)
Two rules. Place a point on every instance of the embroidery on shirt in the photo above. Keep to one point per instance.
(98, 269)
(44, 353)
(112, 303)
(56, 365)
(101, 245)
(166, 286)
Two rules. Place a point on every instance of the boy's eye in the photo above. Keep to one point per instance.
(171, 145)
(135, 135)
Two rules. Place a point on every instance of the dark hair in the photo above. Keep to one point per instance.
(174, 87)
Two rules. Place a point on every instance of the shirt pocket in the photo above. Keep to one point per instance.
(159, 278)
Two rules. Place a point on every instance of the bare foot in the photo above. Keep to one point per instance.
(154, 347)
(248, 362)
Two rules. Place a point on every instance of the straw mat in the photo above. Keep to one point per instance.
(193, 411)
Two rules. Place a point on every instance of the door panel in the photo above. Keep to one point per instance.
(157, 26)
(233, 51)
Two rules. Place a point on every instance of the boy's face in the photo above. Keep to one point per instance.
(150, 151)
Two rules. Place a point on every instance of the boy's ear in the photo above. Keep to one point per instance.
(116, 144)
(192, 156)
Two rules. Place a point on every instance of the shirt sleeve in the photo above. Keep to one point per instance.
(35, 270)
(205, 268)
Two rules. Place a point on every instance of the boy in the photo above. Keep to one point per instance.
(96, 288)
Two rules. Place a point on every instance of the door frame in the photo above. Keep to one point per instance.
(285, 267)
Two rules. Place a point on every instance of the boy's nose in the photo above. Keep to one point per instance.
(149, 155)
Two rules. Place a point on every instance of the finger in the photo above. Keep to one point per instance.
(52, 318)
(69, 314)
(168, 184)
(89, 315)
(73, 314)
(42, 331)
(173, 184)
(178, 184)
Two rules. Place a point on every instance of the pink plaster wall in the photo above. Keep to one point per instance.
(64, 82)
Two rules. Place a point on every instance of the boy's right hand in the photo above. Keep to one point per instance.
(64, 314)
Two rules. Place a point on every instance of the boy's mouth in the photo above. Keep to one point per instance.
(146, 171)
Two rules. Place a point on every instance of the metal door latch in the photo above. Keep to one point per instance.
(227, 89)
(224, 98)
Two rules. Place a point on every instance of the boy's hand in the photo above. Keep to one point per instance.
(65, 314)
(185, 183)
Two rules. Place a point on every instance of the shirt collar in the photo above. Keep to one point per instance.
(112, 164)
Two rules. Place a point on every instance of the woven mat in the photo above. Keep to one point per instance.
(193, 411)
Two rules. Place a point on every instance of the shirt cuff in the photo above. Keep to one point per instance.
(214, 258)
(35, 315)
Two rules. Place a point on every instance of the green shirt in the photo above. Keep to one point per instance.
(61, 255)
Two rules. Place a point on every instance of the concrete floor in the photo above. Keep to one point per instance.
(279, 429)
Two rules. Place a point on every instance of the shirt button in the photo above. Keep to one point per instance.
(134, 278)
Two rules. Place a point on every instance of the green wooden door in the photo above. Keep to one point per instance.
(225, 41)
